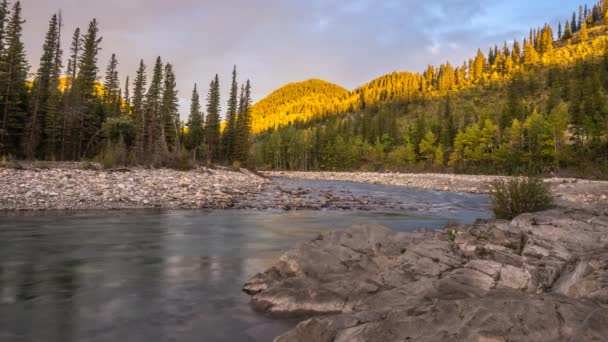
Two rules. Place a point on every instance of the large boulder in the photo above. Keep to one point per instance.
(540, 277)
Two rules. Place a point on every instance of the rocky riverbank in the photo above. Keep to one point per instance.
(572, 190)
(77, 186)
(72, 188)
(540, 277)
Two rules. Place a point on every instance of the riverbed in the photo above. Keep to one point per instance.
(176, 275)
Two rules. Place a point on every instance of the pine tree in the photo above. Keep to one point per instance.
(139, 87)
(88, 105)
(55, 118)
(111, 88)
(41, 88)
(13, 71)
(75, 49)
(228, 136)
(152, 106)
(169, 114)
(212, 123)
(243, 125)
(195, 135)
(573, 24)
(559, 31)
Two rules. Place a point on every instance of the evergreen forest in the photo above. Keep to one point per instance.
(68, 110)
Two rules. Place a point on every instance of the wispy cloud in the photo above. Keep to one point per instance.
(276, 41)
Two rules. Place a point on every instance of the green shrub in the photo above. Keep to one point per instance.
(520, 195)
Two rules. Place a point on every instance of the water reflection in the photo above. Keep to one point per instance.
(162, 275)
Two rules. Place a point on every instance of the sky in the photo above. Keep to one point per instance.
(274, 42)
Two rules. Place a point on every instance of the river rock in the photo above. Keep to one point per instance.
(540, 277)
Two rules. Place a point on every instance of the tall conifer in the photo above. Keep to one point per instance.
(153, 143)
(40, 93)
(196, 132)
(88, 108)
(169, 114)
(55, 117)
(243, 125)
(139, 88)
(14, 93)
(229, 130)
(111, 88)
(212, 123)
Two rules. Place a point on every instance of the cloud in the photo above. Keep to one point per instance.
(274, 42)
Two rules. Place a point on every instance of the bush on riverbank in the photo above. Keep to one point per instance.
(520, 195)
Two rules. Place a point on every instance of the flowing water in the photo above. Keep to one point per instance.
(173, 275)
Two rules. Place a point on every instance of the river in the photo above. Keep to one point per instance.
(174, 275)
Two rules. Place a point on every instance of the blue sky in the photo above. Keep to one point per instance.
(273, 42)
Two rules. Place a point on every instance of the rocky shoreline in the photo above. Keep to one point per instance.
(77, 186)
(575, 191)
(74, 189)
(540, 277)
(69, 186)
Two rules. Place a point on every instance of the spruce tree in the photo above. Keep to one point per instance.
(153, 101)
(111, 88)
(229, 130)
(88, 106)
(169, 114)
(139, 116)
(243, 125)
(55, 117)
(196, 132)
(14, 92)
(573, 24)
(212, 123)
(40, 93)
(75, 50)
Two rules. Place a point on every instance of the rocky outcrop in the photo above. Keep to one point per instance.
(540, 277)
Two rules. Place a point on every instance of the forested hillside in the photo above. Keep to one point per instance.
(539, 105)
(300, 102)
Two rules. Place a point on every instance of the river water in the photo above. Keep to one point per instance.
(173, 275)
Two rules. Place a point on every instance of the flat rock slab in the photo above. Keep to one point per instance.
(540, 277)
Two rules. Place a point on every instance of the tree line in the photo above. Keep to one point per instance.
(65, 112)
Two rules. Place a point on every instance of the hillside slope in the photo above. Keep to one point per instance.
(540, 106)
(301, 101)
